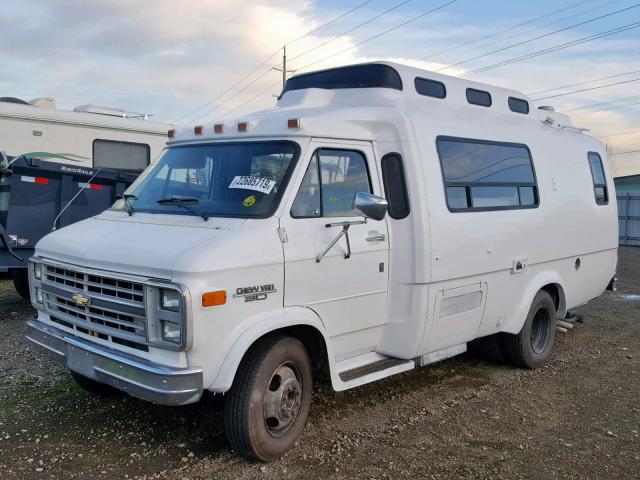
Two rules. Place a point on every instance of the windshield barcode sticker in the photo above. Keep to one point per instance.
(258, 184)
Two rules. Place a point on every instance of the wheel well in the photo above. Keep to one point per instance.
(557, 293)
(310, 337)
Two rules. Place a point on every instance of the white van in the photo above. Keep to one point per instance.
(378, 219)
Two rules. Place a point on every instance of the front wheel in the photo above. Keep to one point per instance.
(532, 346)
(267, 406)
(20, 277)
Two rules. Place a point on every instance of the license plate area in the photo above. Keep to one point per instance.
(80, 361)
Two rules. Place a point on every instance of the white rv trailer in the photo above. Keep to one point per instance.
(378, 219)
(88, 136)
(51, 154)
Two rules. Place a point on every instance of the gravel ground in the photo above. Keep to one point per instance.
(464, 418)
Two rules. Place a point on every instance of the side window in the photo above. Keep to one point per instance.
(483, 175)
(478, 97)
(112, 155)
(430, 88)
(518, 105)
(599, 180)
(395, 186)
(330, 183)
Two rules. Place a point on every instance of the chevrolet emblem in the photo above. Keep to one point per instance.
(80, 299)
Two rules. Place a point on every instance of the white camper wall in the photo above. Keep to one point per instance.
(27, 129)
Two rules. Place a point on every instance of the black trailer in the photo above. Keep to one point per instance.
(35, 193)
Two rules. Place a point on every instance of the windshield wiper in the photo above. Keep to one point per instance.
(185, 203)
(127, 204)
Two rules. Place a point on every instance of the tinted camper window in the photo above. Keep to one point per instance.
(599, 180)
(518, 105)
(112, 155)
(430, 88)
(395, 185)
(478, 97)
(483, 175)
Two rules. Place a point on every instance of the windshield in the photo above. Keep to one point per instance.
(227, 180)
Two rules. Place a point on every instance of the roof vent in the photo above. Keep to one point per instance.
(44, 102)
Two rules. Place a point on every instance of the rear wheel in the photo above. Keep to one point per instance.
(532, 346)
(20, 278)
(267, 406)
(93, 387)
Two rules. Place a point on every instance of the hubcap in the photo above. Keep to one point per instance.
(282, 400)
(540, 330)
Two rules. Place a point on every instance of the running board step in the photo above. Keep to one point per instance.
(378, 368)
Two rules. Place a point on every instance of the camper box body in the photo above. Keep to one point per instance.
(415, 289)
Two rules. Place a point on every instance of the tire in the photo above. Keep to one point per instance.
(267, 406)
(93, 387)
(531, 348)
(20, 278)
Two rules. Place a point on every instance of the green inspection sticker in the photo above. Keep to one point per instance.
(249, 201)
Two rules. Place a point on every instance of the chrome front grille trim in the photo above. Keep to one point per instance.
(115, 308)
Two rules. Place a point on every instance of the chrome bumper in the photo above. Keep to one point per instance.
(135, 376)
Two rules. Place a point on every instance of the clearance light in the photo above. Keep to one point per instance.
(212, 299)
(171, 133)
(197, 130)
(243, 127)
(218, 128)
(293, 123)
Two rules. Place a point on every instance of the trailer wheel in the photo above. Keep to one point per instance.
(20, 278)
(531, 348)
(267, 405)
(93, 387)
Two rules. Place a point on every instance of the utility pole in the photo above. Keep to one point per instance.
(284, 66)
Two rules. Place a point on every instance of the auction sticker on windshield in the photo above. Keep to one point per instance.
(258, 184)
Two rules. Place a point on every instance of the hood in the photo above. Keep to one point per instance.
(143, 244)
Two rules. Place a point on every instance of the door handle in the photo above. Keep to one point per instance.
(376, 237)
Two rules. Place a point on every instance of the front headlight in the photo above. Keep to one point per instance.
(172, 332)
(37, 271)
(170, 300)
(167, 316)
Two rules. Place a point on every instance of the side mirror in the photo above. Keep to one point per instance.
(370, 206)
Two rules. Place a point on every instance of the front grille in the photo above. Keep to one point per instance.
(114, 310)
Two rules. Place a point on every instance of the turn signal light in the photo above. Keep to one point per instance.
(212, 299)
(243, 127)
(197, 130)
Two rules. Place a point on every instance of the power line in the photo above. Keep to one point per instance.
(417, 17)
(270, 87)
(264, 62)
(239, 92)
(539, 27)
(413, 19)
(607, 109)
(395, 7)
(588, 89)
(494, 34)
(625, 153)
(582, 83)
(339, 17)
(599, 104)
(220, 95)
(620, 134)
(600, 17)
(556, 48)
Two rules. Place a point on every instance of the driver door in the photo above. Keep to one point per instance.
(348, 292)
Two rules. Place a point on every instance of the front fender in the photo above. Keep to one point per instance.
(256, 327)
(539, 280)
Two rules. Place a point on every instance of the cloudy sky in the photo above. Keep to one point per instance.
(189, 61)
